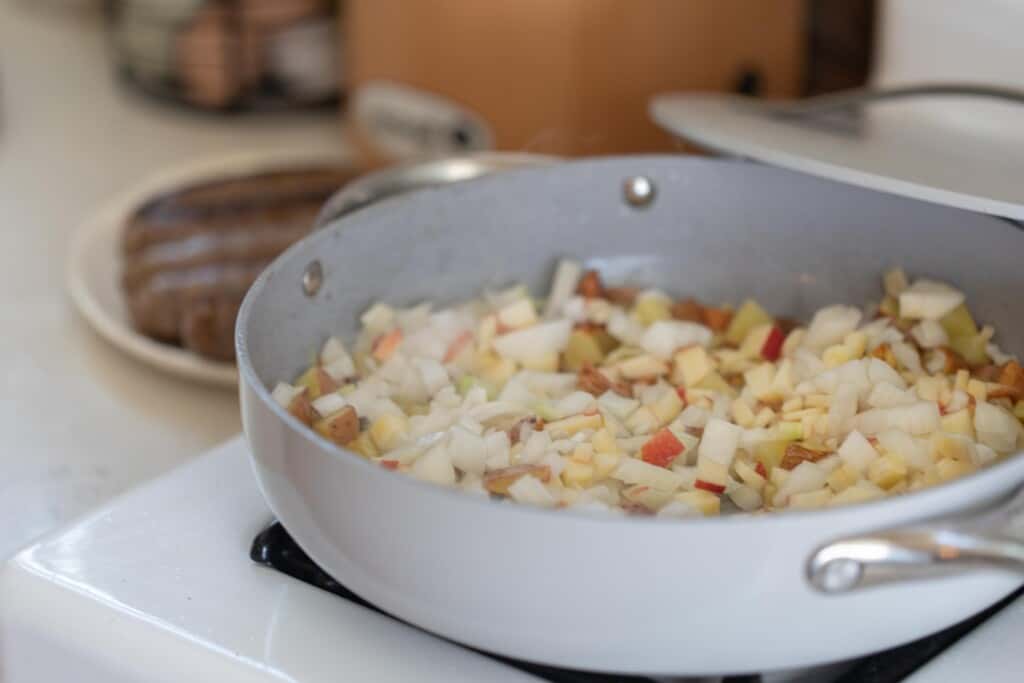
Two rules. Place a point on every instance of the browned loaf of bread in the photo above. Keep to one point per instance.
(189, 256)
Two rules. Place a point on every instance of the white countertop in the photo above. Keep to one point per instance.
(81, 422)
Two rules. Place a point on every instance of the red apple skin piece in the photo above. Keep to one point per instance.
(772, 347)
(456, 347)
(389, 464)
(662, 448)
(717, 489)
(681, 393)
(761, 470)
(385, 345)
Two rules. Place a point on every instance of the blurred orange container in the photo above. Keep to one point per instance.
(569, 77)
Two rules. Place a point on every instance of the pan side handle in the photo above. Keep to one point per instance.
(991, 539)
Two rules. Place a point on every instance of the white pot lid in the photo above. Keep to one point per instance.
(950, 150)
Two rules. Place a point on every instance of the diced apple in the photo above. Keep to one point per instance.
(708, 504)
(531, 491)
(959, 323)
(836, 355)
(929, 334)
(563, 285)
(635, 471)
(388, 430)
(571, 425)
(973, 348)
(605, 463)
(661, 449)
(977, 389)
(498, 481)
(363, 445)
(691, 366)
(750, 476)
(929, 300)
(948, 445)
(755, 340)
(385, 345)
(810, 499)
(642, 421)
(742, 414)
(667, 407)
(644, 366)
(772, 347)
(790, 431)
(619, 406)
(715, 383)
(959, 422)
(651, 498)
(759, 380)
(747, 317)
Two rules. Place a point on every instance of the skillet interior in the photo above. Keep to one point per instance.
(718, 230)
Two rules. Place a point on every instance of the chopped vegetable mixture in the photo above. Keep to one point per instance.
(624, 400)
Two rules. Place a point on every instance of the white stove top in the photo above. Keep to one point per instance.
(158, 587)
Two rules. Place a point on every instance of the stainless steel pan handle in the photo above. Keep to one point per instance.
(408, 177)
(990, 539)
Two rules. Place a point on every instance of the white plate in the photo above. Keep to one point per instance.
(94, 264)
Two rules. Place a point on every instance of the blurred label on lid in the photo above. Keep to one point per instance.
(402, 121)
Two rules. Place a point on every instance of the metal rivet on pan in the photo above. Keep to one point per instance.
(839, 575)
(639, 191)
(312, 278)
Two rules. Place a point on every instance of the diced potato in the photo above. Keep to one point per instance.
(577, 474)
(667, 407)
(959, 422)
(584, 347)
(363, 445)
(977, 389)
(583, 453)
(843, 478)
(790, 431)
(650, 309)
(604, 442)
(950, 468)
(858, 493)
(317, 382)
(642, 421)
(887, 470)
(770, 453)
(747, 317)
(575, 423)
(542, 362)
(714, 382)
(341, 427)
(834, 356)
(705, 502)
(604, 463)
(650, 498)
(742, 414)
(388, 430)
(691, 366)
(810, 499)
